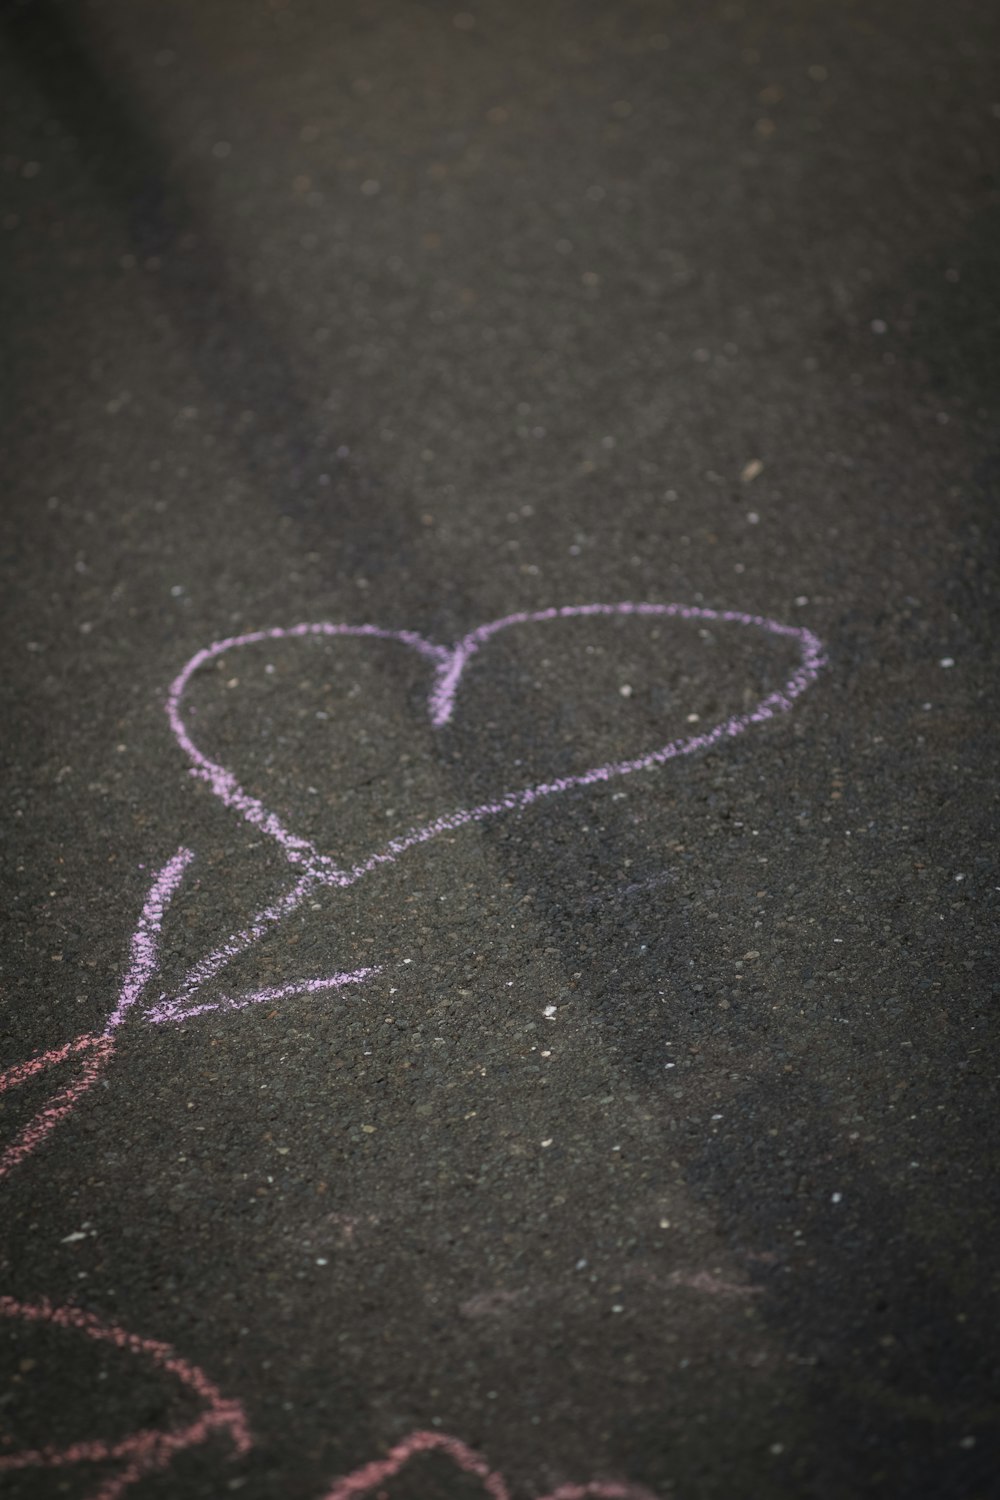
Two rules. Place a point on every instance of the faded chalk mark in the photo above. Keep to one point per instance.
(712, 1284)
(629, 892)
(492, 1304)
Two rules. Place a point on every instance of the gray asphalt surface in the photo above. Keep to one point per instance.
(419, 315)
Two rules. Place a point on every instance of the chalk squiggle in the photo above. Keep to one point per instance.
(370, 1476)
(145, 1452)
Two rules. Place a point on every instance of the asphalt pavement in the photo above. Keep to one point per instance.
(446, 1060)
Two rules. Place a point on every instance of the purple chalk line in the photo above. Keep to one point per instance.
(146, 938)
(172, 1011)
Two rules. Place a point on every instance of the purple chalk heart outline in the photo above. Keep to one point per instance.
(449, 666)
(449, 663)
(315, 870)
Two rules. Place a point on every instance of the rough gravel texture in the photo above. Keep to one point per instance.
(386, 311)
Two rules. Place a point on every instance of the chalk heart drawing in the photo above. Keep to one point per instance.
(87, 1057)
(449, 665)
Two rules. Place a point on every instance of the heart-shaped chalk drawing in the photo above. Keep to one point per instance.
(92, 1052)
(148, 1450)
(449, 664)
(370, 1477)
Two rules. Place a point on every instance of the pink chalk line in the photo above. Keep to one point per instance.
(370, 1476)
(142, 1453)
(96, 1049)
(61, 1103)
